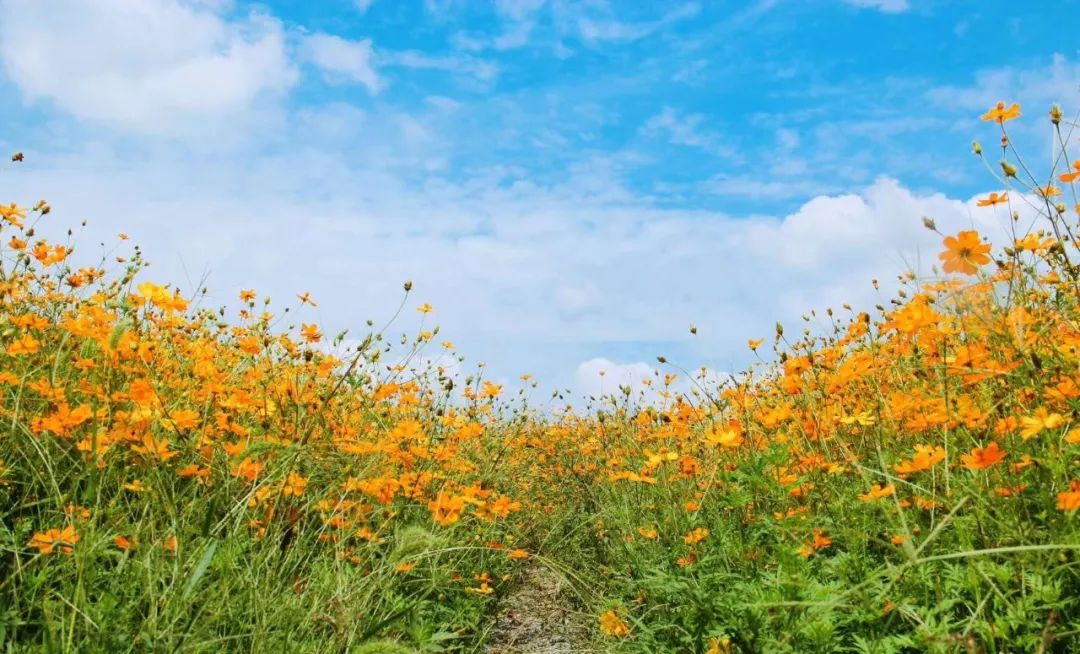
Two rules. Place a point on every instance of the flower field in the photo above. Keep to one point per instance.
(186, 479)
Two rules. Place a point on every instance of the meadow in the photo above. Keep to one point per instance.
(181, 478)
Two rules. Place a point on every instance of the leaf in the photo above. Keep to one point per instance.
(199, 570)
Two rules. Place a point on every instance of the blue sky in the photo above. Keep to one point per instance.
(570, 184)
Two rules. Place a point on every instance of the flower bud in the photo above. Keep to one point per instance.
(1055, 114)
(929, 223)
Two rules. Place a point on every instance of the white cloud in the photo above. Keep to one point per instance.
(610, 29)
(885, 6)
(1033, 86)
(342, 59)
(363, 5)
(686, 130)
(462, 65)
(150, 66)
(518, 9)
(528, 277)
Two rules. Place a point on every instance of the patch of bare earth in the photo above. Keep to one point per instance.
(538, 617)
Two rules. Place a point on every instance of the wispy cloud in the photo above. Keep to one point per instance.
(604, 29)
(343, 60)
(686, 129)
(886, 6)
(459, 64)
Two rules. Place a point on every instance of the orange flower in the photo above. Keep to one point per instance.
(964, 253)
(993, 199)
(648, 533)
(696, 536)
(1071, 176)
(1001, 114)
(193, 470)
(982, 458)
(305, 298)
(517, 554)
(819, 542)
(446, 509)
(1070, 499)
(294, 485)
(47, 541)
(185, 419)
(1048, 191)
(311, 333)
(877, 492)
(405, 566)
(24, 345)
(124, 544)
(926, 457)
(612, 625)
(154, 448)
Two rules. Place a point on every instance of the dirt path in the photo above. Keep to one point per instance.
(538, 618)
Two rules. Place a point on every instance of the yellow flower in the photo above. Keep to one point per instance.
(612, 625)
(649, 533)
(720, 646)
(1001, 114)
(723, 437)
(13, 214)
(1042, 419)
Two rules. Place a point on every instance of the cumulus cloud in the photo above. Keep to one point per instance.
(150, 66)
(528, 277)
